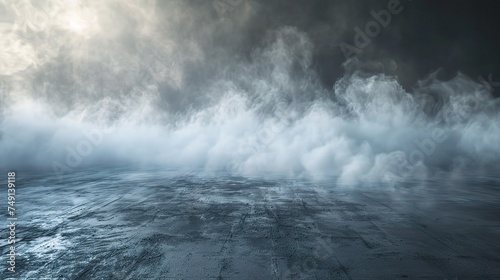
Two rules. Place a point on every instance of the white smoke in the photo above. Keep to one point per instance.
(114, 82)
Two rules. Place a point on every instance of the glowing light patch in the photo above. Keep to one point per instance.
(78, 26)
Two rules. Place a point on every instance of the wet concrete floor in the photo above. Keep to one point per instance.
(143, 225)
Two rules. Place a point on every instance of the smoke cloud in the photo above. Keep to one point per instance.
(171, 83)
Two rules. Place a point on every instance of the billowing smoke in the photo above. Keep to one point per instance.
(170, 83)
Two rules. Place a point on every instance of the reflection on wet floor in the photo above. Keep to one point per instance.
(161, 225)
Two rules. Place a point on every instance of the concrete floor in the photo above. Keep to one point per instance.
(149, 225)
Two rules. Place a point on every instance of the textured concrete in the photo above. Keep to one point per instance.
(153, 225)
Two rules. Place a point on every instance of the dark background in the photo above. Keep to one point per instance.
(426, 36)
